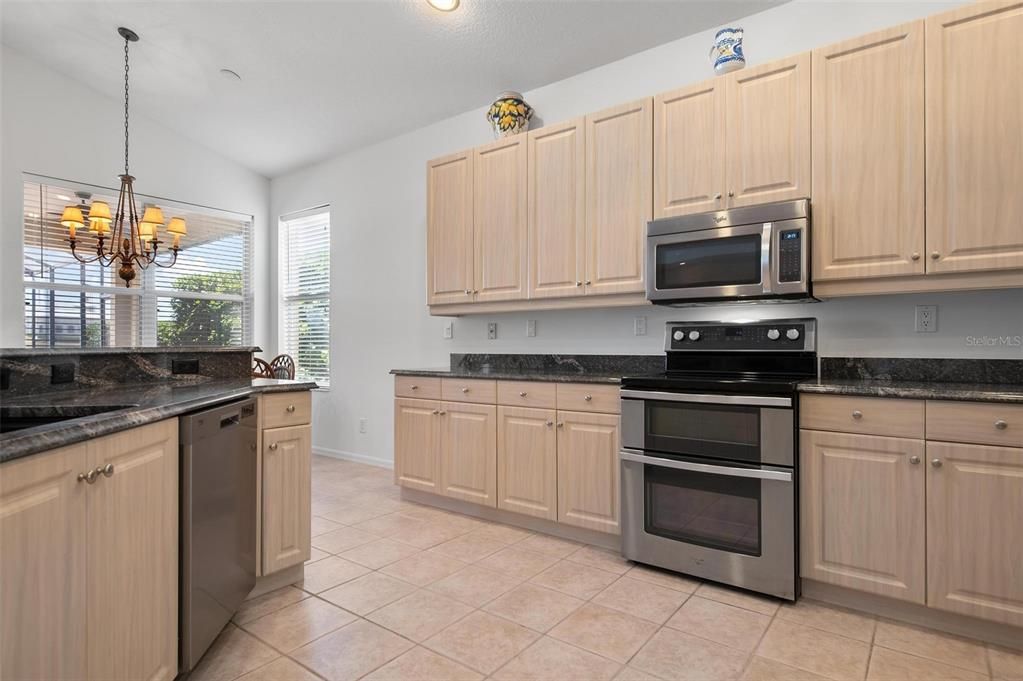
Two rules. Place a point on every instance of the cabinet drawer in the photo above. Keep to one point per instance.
(867, 415)
(468, 390)
(287, 409)
(982, 423)
(589, 397)
(422, 387)
(526, 394)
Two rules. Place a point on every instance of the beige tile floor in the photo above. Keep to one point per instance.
(400, 591)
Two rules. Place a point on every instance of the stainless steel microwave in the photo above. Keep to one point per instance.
(749, 253)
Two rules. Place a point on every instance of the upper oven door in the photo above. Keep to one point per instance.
(753, 429)
(726, 262)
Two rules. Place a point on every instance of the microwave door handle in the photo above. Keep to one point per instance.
(766, 246)
(760, 474)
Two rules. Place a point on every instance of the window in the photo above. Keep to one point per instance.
(305, 292)
(205, 299)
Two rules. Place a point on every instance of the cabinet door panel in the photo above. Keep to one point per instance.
(132, 602)
(43, 566)
(499, 220)
(557, 221)
(527, 462)
(689, 144)
(469, 452)
(769, 132)
(974, 146)
(868, 155)
(449, 229)
(588, 494)
(862, 513)
(416, 456)
(619, 196)
(974, 547)
(287, 497)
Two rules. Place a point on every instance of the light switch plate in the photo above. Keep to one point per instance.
(449, 330)
(492, 330)
(530, 328)
(362, 425)
(926, 318)
(639, 326)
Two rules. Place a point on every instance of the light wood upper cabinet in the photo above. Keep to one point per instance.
(287, 497)
(974, 147)
(43, 556)
(499, 220)
(132, 600)
(862, 513)
(619, 196)
(527, 461)
(974, 548)
(689, 149)
(556, 209)
(449, 228)
(768, 115)
(417, 444)
(588, 470)
(868, 155)
(469, 452)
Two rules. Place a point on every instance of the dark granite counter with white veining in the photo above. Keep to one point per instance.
(135, 405)
(968, 380)
(548, 368)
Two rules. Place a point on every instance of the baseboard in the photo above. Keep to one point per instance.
(352, 456)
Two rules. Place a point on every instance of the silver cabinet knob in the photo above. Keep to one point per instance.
(291, 408)
(561, 425)
(89, 477)
(717, 197)
(914, 460)
(578, 283)
(588, 398)
(273, 446)
(413, 387)
(476, 291)
(731, 194)
(550, 423)
(522, 394)
(442, 412)
(465, 390)
(936, 463)
(588, 282)
(857, 414)
(935, 255)
(915, 256)
(1001, 425)
(436, 411)
(468, 292)
(107, 470)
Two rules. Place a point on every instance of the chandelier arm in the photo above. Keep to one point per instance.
(84, 261)
(170, 263)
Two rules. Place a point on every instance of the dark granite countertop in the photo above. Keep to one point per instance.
(541, 367)
(513, 375)
(918, 390)
(128, 350)
(138, 404)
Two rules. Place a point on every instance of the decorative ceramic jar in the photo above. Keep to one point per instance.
(509, 114)
(726, 54)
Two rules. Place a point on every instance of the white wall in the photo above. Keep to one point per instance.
(378, 199)
(58, 127)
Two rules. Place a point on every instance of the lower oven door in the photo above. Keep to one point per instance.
(729, 523)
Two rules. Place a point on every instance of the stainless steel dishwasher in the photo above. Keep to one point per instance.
(218, 522)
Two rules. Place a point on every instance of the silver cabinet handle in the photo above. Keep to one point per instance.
(935, 255)
(550, 423)
(273, 446)
(857, 414)
(522, 394)
(107, 470)
(914, 460)
(936, 463)
(758, 473)
(915, 256)
(89, 477)
(588, 398)
(1001, 425)
(465, 390)
(291, 408)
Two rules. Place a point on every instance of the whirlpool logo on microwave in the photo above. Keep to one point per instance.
(994, 341)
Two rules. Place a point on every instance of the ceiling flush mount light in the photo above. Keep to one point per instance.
(444, 5)
(121, 237)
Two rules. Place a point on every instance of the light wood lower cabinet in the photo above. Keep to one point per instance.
(287, 502)
(468, 452)
(417, 444)
(588, 470)
(862, 513)
(527, 461)
(94, 565)
(974, 544)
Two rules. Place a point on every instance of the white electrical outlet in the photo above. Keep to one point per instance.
(926, 318)
(492, 330)
(362, 425)
(639, 326)
(449, 330)
(530, 328)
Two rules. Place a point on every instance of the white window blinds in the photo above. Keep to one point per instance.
(205, 299)
(305, 292)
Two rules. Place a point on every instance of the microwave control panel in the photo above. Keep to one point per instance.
(790, 255)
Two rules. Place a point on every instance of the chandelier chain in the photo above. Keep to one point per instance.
(125, 106)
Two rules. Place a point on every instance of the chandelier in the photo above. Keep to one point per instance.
(122, 238)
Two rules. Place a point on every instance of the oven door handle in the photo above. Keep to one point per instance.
(760, 474)
(738, 400)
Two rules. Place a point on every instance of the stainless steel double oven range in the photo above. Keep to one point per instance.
(709, 453)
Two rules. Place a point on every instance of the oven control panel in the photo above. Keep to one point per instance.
(777, 334)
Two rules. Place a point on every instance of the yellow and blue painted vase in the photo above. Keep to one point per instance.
(509, 114)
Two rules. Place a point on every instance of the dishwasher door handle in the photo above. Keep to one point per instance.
(232, 420)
